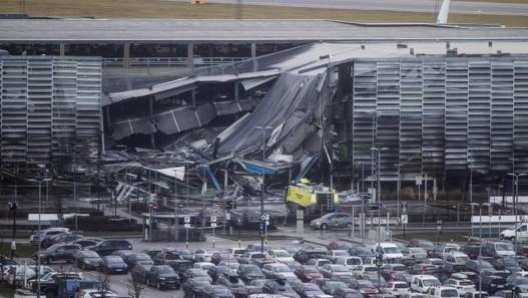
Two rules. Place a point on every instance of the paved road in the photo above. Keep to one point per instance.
(394, 5)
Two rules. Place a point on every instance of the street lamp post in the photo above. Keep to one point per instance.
(263, 186)
(515, 196)
(176, 219)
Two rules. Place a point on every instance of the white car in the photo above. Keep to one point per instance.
(396, 288)
(351, 262)
(420, 283)
(442, 292)
(202, 255)
(281, 255)
(333, 254)
(204, 265)
(462, 285)
(416, 253)
(363, 270)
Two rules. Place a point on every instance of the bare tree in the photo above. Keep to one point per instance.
(135, 288)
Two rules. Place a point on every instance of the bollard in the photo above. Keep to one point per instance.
(239, 243)
(213, 244)
(187, 245)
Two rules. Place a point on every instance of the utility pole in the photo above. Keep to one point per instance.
(263, 187)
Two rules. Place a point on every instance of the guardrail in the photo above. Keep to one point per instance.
(170, 61)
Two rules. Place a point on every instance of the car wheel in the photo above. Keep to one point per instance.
(324, 227)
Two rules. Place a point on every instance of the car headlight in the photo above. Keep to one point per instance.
(317, 222)
(87, 261)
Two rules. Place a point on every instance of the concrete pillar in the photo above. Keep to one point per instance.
(61, 49)
(253, 50)
(300, 222)
(126, 55)
(254, 55)
(190, 55)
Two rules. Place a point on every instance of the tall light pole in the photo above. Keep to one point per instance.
(378, 191)
(515, 196)
(42, 179)
(263, 186)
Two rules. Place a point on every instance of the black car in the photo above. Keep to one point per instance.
(478, 266)
(180, 266)
(164, 257)
(303, 255)
(308, 290)
(232, 281)
(348, 293)
(59, 238)
(138, 258)
(425, 244)
(217, 271)
(114, 264)
(249, 272)
(87, 259)
(193, 287)
(330, 286)
(281, 287)
(107, 247)
(215, 291)
(472, 249)
(140, 273)
(362, 252)
(58, 252)
(509, 264)
(492, 284)
(151, 252)
(196, 273)
(163, 276)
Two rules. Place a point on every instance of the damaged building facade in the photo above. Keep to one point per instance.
(439, 102)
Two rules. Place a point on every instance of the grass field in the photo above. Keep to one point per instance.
(182, 10)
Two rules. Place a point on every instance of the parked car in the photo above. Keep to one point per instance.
(388, 270)
(346, 293)
(498, 249)
(306, 273)
(332, 255)
(506, 263)
(442, 292)
(365, 287)
(197, 273)
(87, 241)
(249, 272)
(202, 255)
(422, 243)
(279, 286)
(308, 290)
(113, 264)
(303, 255)
(396, 288)
(36, 238)
(107, 247)
(59, 238)
(193, 287)
(332, 220)
(277, 271)
(280, 255)
(139, 273)
(87, 259)
(215, 291)
(492, 283)
(163, 276)
(139, 258)
(165, 257)
(330, 286)
(362, 252)
(334, 270)
(58, 252)
(420, 283)
(339, 245)
(462, 285)
(417, 253)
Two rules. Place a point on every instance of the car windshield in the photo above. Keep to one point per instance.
(437, 262)
(431, 283)
(114, 260)
(450, 293)
(401, 286)
(522, 281)
(258, 256)
(185, 252)
(282, 254)
(165, 270)
(365, 283)
(503, 246)
(311, 287)
(461, 260)
(340, 253)
(311, 270)
(89, 254)
(171, 256)
(340, 269)
(335, 284)
(371, 269)
(391, 250)
(143, 257)
(427, 244)
(399, 268)
(415, 250)
(485, 264)
(281, 269)
(466, 283)
(353, 261)
(449, 249)
(251, 269)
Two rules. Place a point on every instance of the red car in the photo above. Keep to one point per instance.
(307, 273)
(365, 287)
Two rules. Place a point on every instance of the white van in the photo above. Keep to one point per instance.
(522, 233)
(420, 283)
(351, 262)
(389, 251)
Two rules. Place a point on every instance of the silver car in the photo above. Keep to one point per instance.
(332, 220)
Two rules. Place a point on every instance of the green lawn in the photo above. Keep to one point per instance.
(182, 10)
